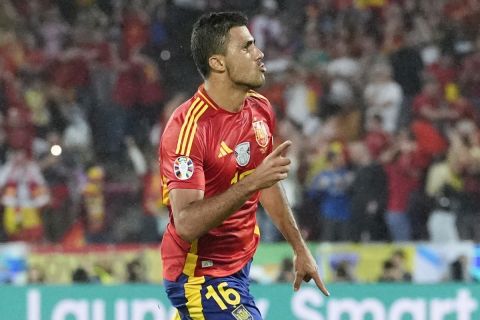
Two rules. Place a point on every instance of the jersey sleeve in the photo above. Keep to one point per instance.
(269, 113)
(181, 157)
(272, 124)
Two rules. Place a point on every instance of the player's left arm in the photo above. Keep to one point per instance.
(275, 203)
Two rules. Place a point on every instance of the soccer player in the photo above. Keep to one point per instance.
(217, 162)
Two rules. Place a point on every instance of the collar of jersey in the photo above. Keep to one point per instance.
(204, 95)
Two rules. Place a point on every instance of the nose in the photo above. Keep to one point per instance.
(260, 54)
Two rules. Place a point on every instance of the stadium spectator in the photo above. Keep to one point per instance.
(58, 169)
(136, 271)
(80, 275)
(469, 81)
(407, 65)
(331, 188)
(376, 139)
(403, 165)
(286, 274)
(301, 101)
(24, 195)
(443, 185)
(459, 270)
(398, 259)
(367, 204)
(390, 273)
(444, 71)
(103, 273)
(36, 101)
(35, 275)
(156, 213)
(465, 143)
(383, 97)
(19, 129)
(343, 272)
(267, 28)
(430, 106)
(94, 211)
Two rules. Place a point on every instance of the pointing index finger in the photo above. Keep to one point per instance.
(281, 148)
(320, 284)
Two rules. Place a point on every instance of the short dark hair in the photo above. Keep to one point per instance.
(210, 35)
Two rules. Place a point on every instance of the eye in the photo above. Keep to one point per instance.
(248, 45)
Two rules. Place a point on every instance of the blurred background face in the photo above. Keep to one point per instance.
(243, 59)
(381, 73)
(336, 159)
(432, 88)
(359, 153)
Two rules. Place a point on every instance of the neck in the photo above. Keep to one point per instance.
(225, 94)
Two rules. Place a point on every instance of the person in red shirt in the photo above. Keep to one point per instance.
(376, 139)
(135, 27)
(403, 164)
(217, 163)
(428, 106)
(444, 71)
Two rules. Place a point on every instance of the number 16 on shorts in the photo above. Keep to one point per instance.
(229, 302)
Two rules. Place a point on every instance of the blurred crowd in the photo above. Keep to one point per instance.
(380, 97)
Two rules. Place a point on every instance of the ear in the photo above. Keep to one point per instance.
(217, 63)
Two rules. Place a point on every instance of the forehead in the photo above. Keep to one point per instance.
(239, 35)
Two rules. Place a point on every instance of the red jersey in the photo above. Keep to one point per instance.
(207, 148)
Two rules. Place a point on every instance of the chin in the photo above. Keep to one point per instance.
(254, 84)
(258, 84)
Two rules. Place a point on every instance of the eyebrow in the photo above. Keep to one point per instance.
(249, 43)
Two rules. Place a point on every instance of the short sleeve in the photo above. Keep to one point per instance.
(267, 111)
(272, 124)
(181, 157)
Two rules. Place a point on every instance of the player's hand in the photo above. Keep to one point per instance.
(273, 169)
(305, 270)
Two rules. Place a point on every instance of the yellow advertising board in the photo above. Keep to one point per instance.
(58, 263)
(365, 261)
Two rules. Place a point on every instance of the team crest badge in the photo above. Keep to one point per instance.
(183, 168)
(241, 313)
(261, 133)
(242, 153)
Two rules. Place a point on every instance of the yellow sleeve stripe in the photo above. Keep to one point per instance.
(208, 100)
(225, 147)
(194, 130)
(182, 131)
(256, 94)
(189, 127)
(165, 198)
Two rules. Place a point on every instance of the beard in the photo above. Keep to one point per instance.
(248, 81)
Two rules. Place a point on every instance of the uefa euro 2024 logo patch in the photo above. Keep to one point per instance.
(183, 168)
(242, 153)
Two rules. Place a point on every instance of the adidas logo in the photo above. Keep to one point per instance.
(224, 150)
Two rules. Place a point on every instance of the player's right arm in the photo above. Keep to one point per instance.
(194, 215)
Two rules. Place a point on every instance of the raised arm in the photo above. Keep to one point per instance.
(194, 216)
